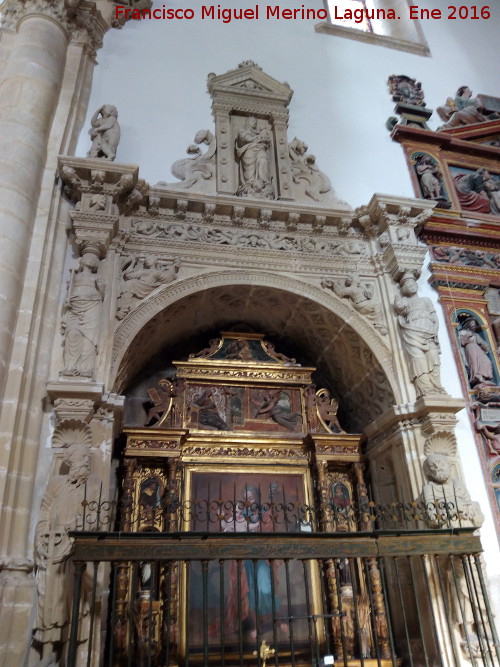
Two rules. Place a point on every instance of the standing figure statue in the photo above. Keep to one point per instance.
(105, 133)
(82, 312)
(253, 155)
(419, 327)
(479, 366)
(141, 280)
(62, 510)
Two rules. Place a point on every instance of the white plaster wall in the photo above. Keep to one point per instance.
(155, 73)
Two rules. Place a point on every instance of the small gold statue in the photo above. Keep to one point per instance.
(265, 652)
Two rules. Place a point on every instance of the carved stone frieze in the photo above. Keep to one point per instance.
(263, 238)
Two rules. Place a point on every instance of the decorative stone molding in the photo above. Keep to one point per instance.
(74, 401)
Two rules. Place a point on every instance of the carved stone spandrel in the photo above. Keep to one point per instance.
(142, 275)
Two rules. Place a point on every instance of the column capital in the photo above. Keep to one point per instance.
(84, 21)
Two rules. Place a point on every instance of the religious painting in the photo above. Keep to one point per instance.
(430, 179)
(244, 408)
(255, 597)
(477, 189)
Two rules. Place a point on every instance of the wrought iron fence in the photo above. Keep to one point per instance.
(281, 600)
(218, 515)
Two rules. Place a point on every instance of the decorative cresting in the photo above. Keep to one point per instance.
(250, 154)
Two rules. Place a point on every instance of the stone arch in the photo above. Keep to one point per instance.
(348, 347)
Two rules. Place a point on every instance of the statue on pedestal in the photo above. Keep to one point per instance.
(419, 327)
(80, 325)
(105, 133)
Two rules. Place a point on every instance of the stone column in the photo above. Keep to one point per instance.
(29, 94)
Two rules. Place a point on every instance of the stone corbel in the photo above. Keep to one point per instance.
(433, 416)
(395, 220)
(100, 190)
(74, 407)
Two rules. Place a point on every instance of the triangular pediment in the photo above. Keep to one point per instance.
(248, 80)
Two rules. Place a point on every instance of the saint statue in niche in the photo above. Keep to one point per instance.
(479, 366)
(253, 156)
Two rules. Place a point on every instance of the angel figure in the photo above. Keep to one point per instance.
(327, 408)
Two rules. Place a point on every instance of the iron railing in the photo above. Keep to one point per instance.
(383, 597)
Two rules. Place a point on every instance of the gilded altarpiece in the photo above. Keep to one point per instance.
(242, 441)
(459, 168)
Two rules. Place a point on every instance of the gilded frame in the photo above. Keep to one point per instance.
(196, 472)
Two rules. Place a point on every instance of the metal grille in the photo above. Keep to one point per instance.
(200, 599)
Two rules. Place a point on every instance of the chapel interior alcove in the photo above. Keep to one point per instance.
(301, 328)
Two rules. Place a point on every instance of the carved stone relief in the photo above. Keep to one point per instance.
(141, 275)
(360, 296)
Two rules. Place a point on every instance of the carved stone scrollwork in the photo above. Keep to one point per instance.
(201, 166)
(305, 173)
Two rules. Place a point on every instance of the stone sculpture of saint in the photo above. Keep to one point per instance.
(140, 281)
(61, 512)
(448, 504)
(446, 498)
(419, 328)
(105, 133)
(253, 156)
(81, 319)
(479, 366)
